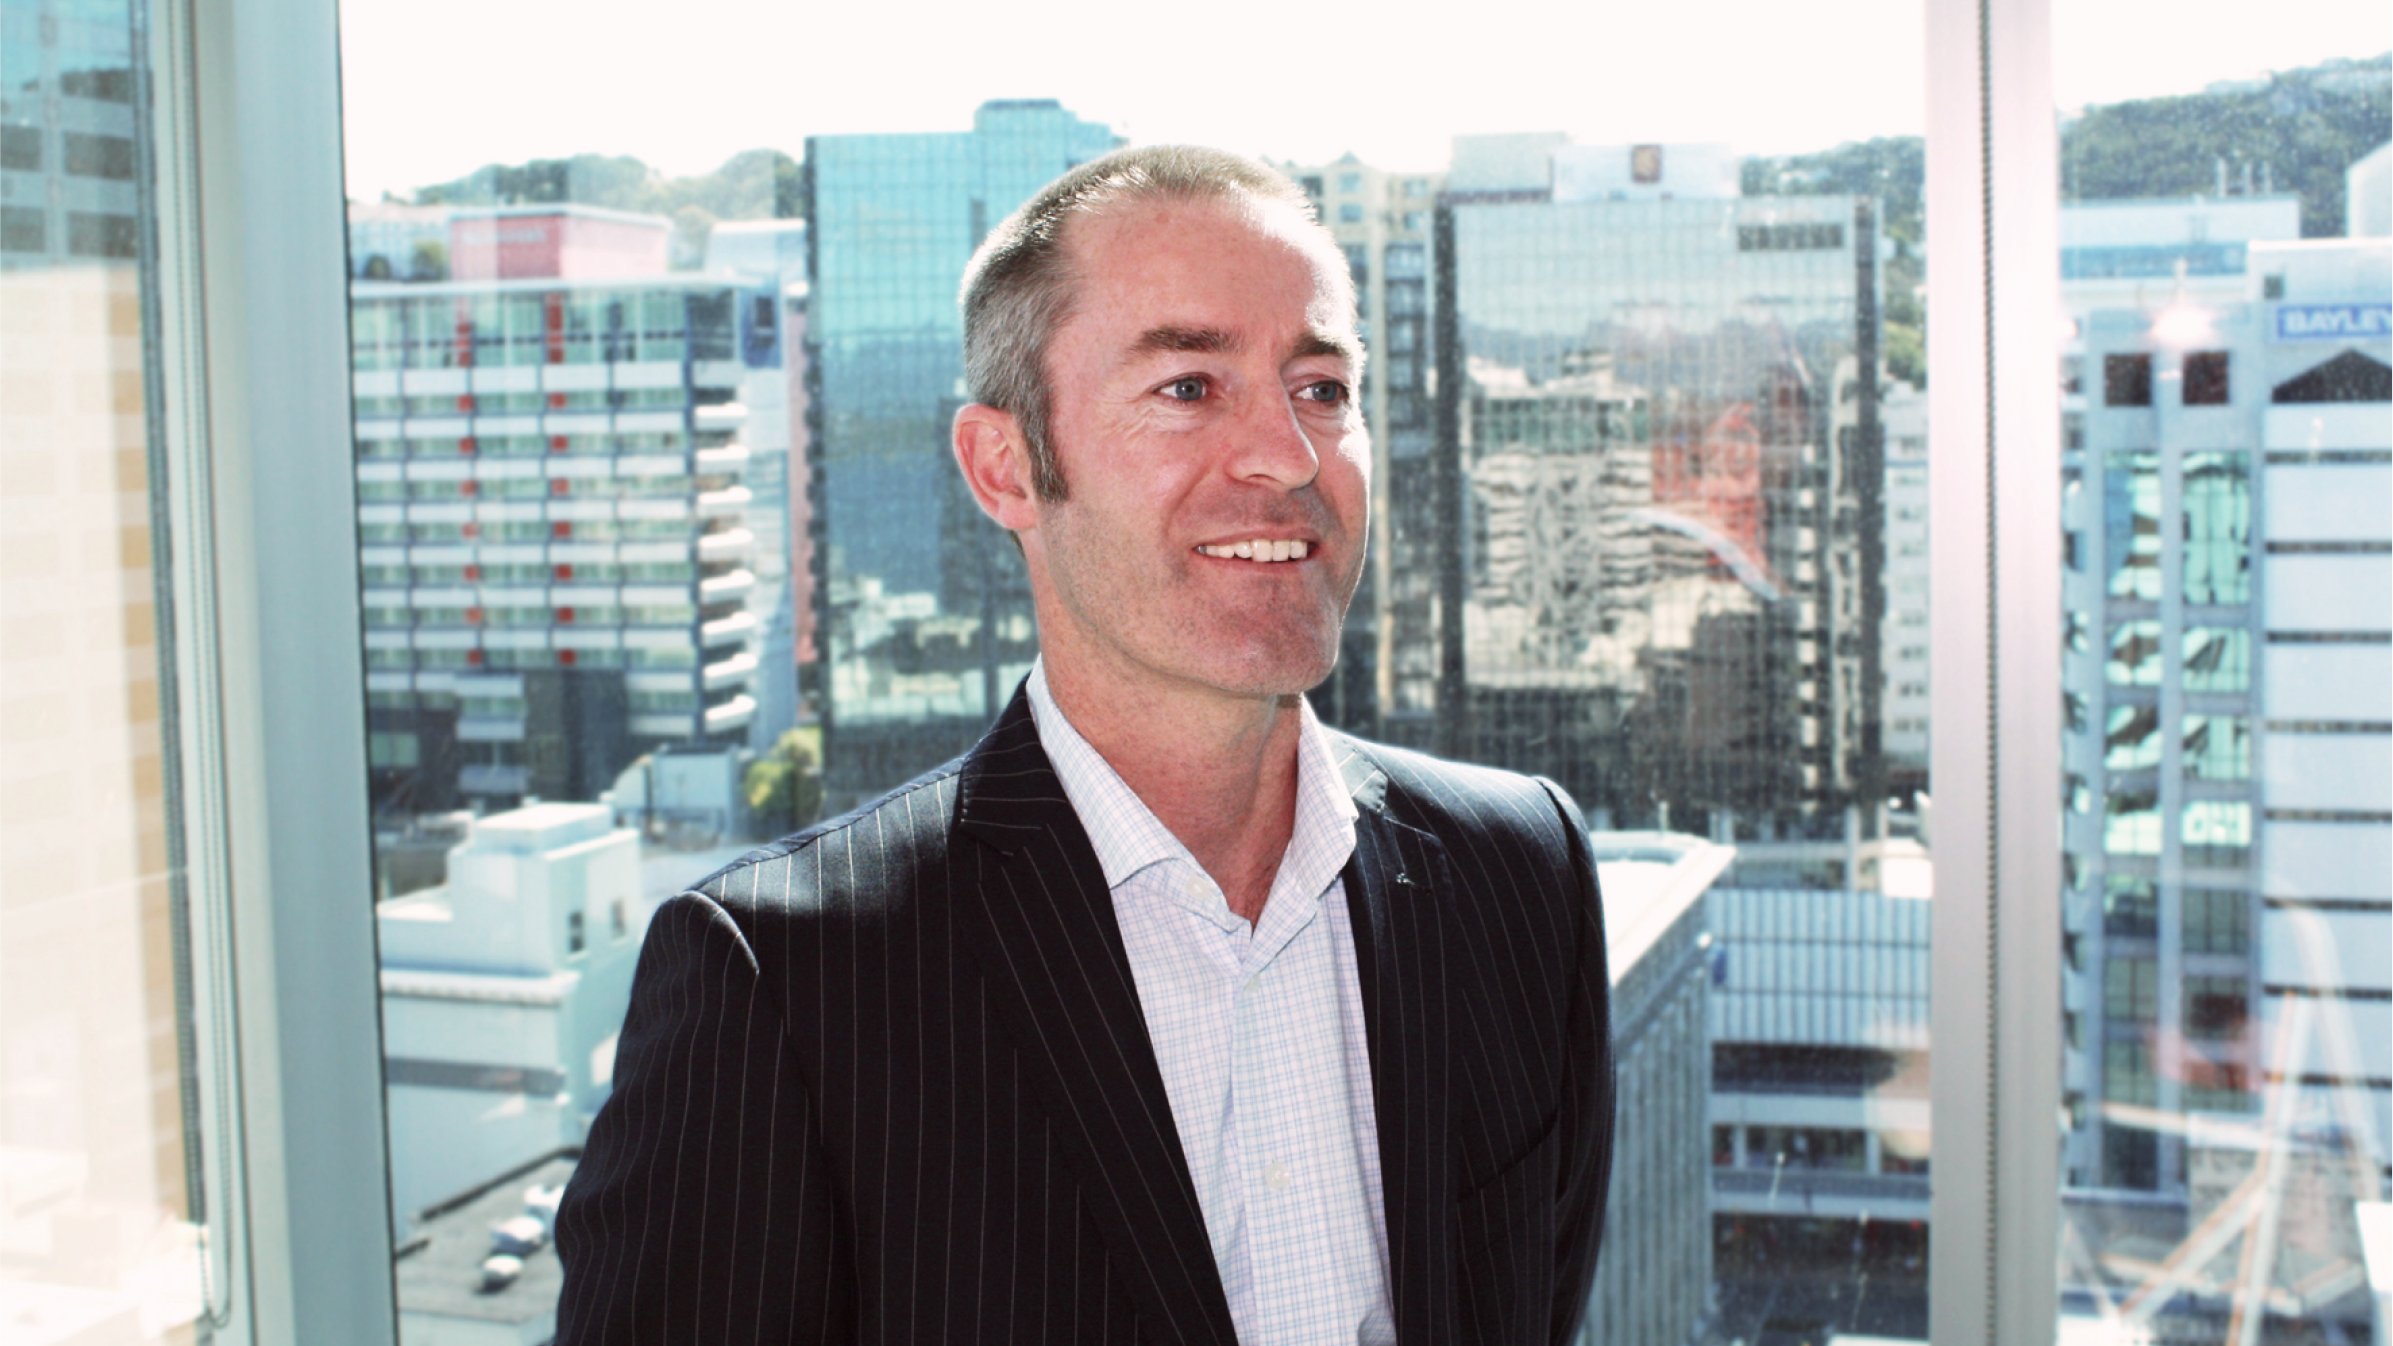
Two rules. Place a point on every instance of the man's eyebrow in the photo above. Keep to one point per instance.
(1215, 341)
(1200, 340)
(1320, 342)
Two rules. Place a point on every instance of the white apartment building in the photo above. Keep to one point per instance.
(554, 518)
(774, 252)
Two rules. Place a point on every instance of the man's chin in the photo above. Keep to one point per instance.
(1270, 669)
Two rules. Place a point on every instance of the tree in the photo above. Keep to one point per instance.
(692, 226)
(785, 786)
(430, 261)
(760, 184)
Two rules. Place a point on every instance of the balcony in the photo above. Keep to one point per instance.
(721, 418)
(729, 503)
(737, 669)
(732, 714)
(490, 729)
(1793, 1191)
(722, 459)
(733, 544)
(726, 588)
(726, 630)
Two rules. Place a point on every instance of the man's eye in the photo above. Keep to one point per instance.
(1185, 390)
(1328, 392)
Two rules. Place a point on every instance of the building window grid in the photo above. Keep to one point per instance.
(2130, 990)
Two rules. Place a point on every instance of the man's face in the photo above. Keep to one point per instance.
(1203, 406)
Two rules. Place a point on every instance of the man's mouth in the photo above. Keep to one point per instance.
(1259, 549)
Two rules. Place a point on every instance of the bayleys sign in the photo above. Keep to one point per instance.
(2334, 322)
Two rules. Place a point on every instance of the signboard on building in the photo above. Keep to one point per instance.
(2334, 322)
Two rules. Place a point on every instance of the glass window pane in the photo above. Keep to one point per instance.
(96, 1165)
(2217, 529)
(2131, 524)
(2230, 1122)
(666, 554)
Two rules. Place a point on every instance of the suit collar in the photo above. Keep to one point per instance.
(1060, 986)
(1395, 887)
(1365, 780)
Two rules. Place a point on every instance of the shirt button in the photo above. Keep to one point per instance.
(1275, 1176)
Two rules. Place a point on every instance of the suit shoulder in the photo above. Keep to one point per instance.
(1442, 797)
(866, 847)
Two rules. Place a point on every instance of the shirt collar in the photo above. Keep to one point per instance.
(1127, 835)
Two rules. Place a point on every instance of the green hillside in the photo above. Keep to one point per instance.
(751, 185)
(1894, 170)
(2297, 131)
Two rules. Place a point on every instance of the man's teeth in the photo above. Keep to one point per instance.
(1261, 550)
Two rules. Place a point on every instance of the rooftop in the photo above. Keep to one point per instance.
(571, 208)
(1649, 879)
(660, 280)
(537, 828)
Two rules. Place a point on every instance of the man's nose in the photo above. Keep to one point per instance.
(1270, 446)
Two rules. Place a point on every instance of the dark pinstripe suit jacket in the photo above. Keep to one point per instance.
(888, 1080)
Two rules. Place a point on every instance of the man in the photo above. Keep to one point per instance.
(1164, 1014)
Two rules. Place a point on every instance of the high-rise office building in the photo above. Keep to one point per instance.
(1385, 685)
(2229, 504)
(1654, 1281)
(924, 620)
(1659, 437)
(2128, 264)
(1903, 637)
(553, 527)
(66, 134)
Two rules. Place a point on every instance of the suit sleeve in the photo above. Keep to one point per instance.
(702, 1209)
(1586, 1175)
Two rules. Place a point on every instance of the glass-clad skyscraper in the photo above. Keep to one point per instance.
(66, 133)
(1659, 430)
(924, 618)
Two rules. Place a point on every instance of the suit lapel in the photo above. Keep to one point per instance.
(1394, 885)
(1059, 984)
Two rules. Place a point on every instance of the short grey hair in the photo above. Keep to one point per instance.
(1018, 290)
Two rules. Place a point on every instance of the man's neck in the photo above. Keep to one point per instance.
(1218, 771)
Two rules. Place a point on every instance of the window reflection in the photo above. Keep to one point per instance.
(95, 1198)
(2230, 1096)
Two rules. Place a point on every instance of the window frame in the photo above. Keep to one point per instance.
(250, 248)
(244, 252)
(1993, 279)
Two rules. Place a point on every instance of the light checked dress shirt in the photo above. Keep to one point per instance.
(1260, 1035)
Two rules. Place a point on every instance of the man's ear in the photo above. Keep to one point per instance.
(996, 463)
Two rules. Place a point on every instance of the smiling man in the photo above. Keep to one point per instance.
(1164, 1014)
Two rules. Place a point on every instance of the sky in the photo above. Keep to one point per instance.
(435, 88)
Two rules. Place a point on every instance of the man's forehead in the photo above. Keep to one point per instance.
(1122, 233)
(1117, 245)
